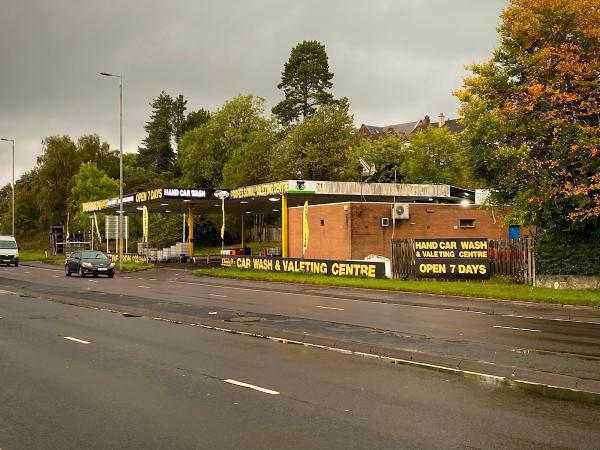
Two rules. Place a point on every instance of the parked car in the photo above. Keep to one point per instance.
(89, 262)
(9, 251)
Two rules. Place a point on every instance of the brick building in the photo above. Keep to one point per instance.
(354, 230)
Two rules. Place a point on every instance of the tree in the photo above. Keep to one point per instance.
(205, 150)
(318, 148)
(250, 163)
(304, 81)
(91, 149)
(178, 117)
(386, 153)
(531, 113)
(436, 155)
(164, 125)
(57, 164)
(90, 183)
(193, 120)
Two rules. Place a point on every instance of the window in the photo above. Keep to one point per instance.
(322, 222)
(466, 223)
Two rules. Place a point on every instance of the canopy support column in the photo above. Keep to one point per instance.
(191, 231)
(284, 226)
(243, 229)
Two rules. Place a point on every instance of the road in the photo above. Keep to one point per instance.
(517, 329)
(74, 377)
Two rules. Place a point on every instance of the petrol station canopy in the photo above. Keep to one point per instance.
(266, 198)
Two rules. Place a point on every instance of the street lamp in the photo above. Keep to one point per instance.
(222, 195)
(13, 182)
(120, 77)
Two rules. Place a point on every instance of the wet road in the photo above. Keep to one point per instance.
(74, 377)
(517, 329)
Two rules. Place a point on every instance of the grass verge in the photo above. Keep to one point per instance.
(495, 288)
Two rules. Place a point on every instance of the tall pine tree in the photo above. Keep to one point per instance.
(164, 125)
(304, 81)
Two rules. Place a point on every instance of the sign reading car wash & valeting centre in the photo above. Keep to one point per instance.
(366, 269)
(452, 259)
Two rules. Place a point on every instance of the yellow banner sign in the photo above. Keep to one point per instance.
(260, 190)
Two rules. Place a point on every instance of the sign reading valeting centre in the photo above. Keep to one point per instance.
(452, 259)
(367, 269)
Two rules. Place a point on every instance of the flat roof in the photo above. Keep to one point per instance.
(266, 197)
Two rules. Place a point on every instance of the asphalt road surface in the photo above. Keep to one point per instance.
(574, 337)
(74, 377)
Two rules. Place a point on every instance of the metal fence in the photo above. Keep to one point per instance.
(514, 258)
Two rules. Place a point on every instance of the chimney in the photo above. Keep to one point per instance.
(426, 120)
(442, 120)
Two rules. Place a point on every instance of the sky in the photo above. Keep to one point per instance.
(396, 60)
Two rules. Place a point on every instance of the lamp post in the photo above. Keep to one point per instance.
(120, 77)
(13, 181)
(222, 195)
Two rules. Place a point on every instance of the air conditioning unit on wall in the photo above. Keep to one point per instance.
(400, 211)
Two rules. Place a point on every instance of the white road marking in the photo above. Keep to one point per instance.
(151, 279)
(145, 287)
(217, 295)
(210, 312)
(329, 307)
(3, 292)
(76, 340)
(518, 329)
(251, 386)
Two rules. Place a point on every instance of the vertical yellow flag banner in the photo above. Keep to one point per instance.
(145, 223)
(305, 228)
(97, 228)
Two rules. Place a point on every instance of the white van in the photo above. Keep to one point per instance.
(9, 251)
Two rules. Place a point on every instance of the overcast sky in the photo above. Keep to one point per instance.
(396, 60)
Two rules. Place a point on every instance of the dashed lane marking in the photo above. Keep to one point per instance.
(76, 340)
(518, 329)
(145, 287)
(330, 307)
(251, 386)
(217, 295)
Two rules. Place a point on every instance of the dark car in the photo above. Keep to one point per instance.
(91, 262)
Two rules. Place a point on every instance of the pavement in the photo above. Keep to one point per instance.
(548, 349)
(82, 378)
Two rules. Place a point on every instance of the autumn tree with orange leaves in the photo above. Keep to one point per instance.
(532, 114)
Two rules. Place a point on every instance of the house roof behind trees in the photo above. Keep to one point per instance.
(405, 129)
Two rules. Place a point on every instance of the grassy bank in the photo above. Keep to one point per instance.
(495, 288)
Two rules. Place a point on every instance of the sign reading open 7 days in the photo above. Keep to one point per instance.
(367, 269)
(453, 259)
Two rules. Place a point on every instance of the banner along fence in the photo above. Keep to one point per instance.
(514, 258)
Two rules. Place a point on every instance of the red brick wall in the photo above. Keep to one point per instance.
(355, 232)
(328, 241)
(431, 221)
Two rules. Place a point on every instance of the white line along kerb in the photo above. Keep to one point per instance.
(76, 340)
(251, 386)
(518, 329)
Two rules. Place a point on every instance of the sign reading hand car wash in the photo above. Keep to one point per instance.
(452, 259)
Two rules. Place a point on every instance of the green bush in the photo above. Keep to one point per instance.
(569, 253)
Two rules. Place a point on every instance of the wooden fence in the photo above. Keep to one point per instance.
(514, 258)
